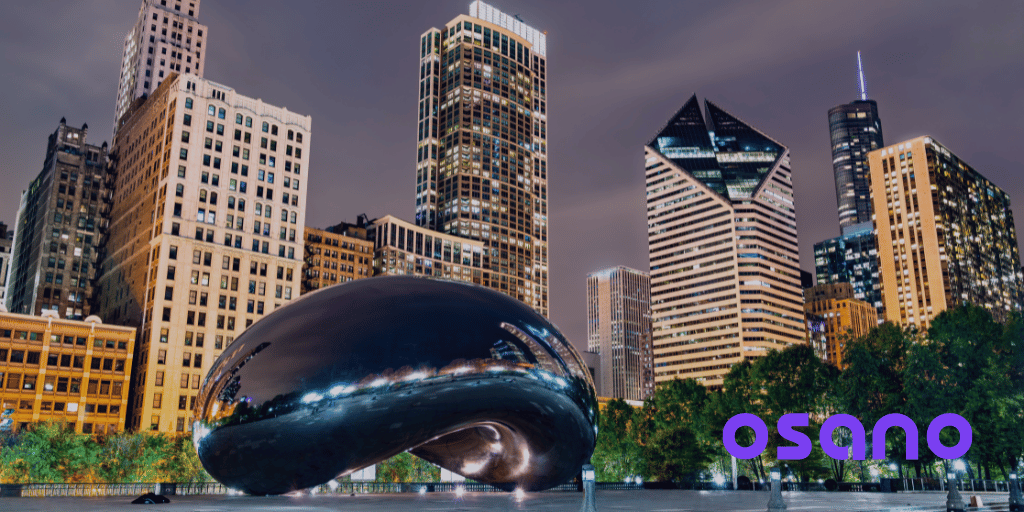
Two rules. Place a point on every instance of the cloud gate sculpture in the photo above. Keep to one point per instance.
(460, 375)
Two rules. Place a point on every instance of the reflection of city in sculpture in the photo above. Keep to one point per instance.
(461, 376)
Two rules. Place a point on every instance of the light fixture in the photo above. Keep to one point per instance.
(460, 491)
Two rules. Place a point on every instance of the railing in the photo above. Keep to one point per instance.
(40, 490)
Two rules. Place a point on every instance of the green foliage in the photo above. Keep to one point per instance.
(966, 364)
(618, 454)
(406, 467)
(52, 453)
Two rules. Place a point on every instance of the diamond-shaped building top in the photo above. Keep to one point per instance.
(728, 155)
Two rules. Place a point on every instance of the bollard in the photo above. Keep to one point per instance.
(954, 503)
(589, 489)
(1016, 500)
(775, 502)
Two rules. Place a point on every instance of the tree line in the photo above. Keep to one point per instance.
(965, 363)
(51, 452)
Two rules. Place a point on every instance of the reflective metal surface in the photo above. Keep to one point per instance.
(460, 375)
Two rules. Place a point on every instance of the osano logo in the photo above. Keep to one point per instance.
(803, 443)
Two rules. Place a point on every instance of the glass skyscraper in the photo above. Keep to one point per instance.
(725, 280)
(851, 258)
(855, 130)
(481, 170)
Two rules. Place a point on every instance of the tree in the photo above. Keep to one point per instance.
(675, 430)
(979, 356)
(48, 452)
(738, 395)
(406, 467)
(618, 453)
(872, 385)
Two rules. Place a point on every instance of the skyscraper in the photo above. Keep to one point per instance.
(945, 235)
(481, 168)
(61, 221)
(725, 280)
(6, 243)
(851, 258)
(855, 130)
(206, 233)
(166, 39)
(619, 330)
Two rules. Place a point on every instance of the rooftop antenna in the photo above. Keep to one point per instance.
(860, 73)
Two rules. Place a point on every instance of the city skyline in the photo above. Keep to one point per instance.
(596, 185)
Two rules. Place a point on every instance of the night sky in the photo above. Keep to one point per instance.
(617, 72)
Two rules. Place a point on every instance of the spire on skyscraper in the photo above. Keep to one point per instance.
(860, 74)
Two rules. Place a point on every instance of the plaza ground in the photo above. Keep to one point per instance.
(646, 500)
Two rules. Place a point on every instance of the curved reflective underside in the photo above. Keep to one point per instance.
(460, 375)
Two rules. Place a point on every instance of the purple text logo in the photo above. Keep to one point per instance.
(803, 443)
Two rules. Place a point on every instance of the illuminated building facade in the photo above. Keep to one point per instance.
(6, 246)
(725, 281)
(945, 234)
(856, 130)
(61, 223)
(619, 330)
(841, 315)
(206, 233)
(481, 170)
(403, 248)
(166, 39)
(53, 369)
(851, 258)
(336, 255)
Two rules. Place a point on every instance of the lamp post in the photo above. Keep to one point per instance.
(954, 503)
(1016, 500)
(775, 502)
(589, 489)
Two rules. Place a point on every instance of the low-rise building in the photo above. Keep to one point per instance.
(335, 255)
(52, 369)
(834, 315)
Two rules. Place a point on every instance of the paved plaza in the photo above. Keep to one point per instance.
(647, 501)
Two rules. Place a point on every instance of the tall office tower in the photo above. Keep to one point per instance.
(945, 235)
(6, 244)
(855, 130)
(335, 255)
(60, 224)
(619, 330)
(481, 168)
(166, 39)
(841, 315)
(205, 236)
(725, 281)
(851, 258)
